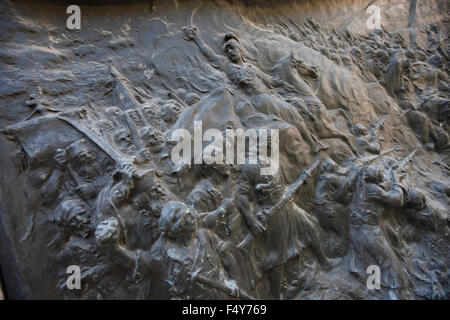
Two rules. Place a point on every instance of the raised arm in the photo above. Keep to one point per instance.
(392, 198)
(192, 34)
(275, 82)
(107, 234)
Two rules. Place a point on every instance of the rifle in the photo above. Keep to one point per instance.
(222, 287)
(400, 164)
(228, 195)
(368, 160)
(374, 128)
(440, 164)
(285, 199)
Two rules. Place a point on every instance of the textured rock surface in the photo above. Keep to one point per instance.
(86, 177)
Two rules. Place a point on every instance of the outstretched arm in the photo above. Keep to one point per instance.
(209, 220)
(306, 69)
(392, 198)
(191, 33)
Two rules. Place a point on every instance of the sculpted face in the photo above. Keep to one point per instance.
(374, 174)
(416, 199)
(360, 130)
(74, 217)
(149, 112)
(233, 51)
(188, 221)
(178, 220)
(84, 162)
(329, 165)
(86, 157)
(79, 221)
(123, 141)
(152, 137)
(170, 111)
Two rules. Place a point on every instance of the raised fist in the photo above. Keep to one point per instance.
(107, 231)
(61, 156)
(128, 170)
(190, 33)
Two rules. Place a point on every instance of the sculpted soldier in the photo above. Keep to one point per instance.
(113, 197)
(288, 231)
(397, 72)
(73, 218)
(423, 223)
(123, 141)
(421, 214)
(185, 251)
(152, 143)
(303, 98)
(204, 197)
(152, 138)
(366, 142)
(255, 83)
(368, 242)
(82, 161)
(332, 194)
(430, 134)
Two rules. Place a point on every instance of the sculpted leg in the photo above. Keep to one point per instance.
(315, 144)
(276, 276)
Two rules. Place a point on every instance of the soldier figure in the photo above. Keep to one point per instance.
(185, 250)
(288, 231)
(368, 241)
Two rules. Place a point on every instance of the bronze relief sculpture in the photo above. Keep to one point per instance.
(94, 123)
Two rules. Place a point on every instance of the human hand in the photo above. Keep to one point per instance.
(107, 231)
(234, 292)
(290, 88)
(227, 205)
(128, 170)
(398, 175)
(190, 33)
(256, 226)
(245, 81)
(261, 216)
(61, 156)
(86, 190)
(314, 72)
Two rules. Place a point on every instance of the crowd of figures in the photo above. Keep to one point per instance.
(415, 77)
(141, 227)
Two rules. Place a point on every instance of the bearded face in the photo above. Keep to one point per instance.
(79, 222)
